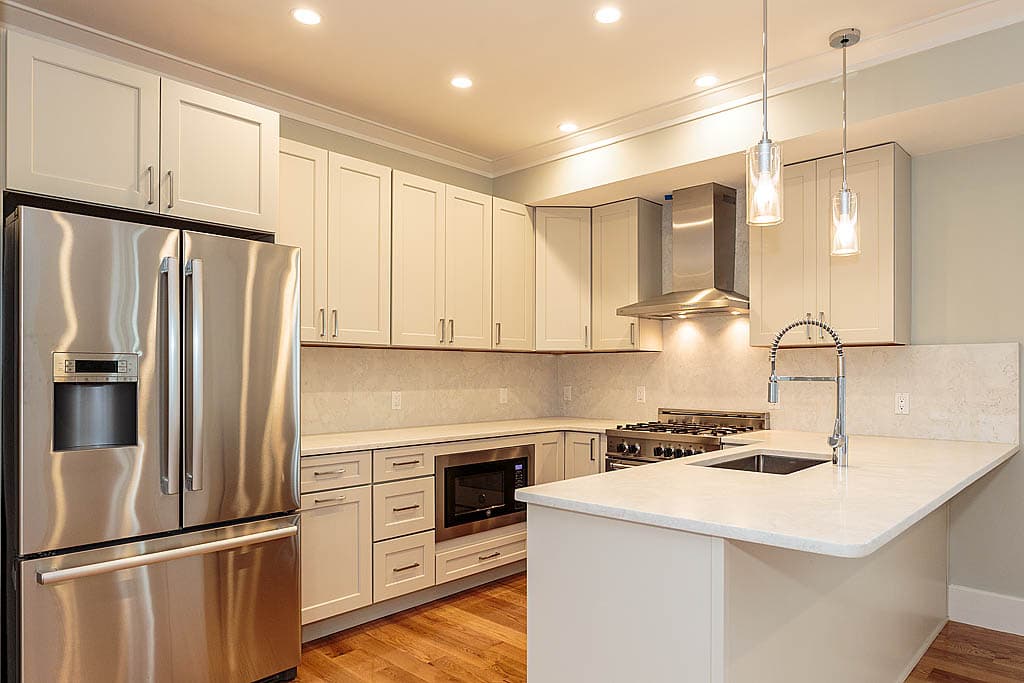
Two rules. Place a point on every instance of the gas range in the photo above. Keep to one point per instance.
(676, 434)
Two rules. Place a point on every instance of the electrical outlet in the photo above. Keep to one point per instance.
(902, 404)
(503, 395)
(396, 400)
(641, 394)
(567, 393)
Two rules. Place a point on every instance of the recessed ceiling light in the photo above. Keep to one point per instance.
(568, 127)
(307, 16)
(706, 81)
(608, 15)
(462, 82)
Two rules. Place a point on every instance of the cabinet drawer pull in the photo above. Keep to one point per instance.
(489, 557)
(318, 501)
(406, 463)
(329, 473)
(405, 508)
(406, 567)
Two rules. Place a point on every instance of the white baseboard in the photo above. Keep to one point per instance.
(988, 610)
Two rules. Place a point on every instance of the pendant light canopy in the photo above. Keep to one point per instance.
(764, 160)
(845, 222)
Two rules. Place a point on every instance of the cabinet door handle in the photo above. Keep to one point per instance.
(323, 322)
(632, 334)
(821, 330)
(592, 444)
(808, 328)
(586, 336)
(170, 189)
(451, 331)
(406, 567)
(405, 508)
(339, 499)
(149, 170)
(442, 330)
(334, 316)
(329, 473)
(498, 326)
(483, 558)
(406, 463)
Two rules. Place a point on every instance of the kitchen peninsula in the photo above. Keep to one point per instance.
(676, 571)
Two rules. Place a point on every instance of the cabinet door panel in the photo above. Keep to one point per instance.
(359, 280)
(856, 293)
(582, 454)
(783, 263)
(337, 552)
(563, 279)
(417, 261)
(80, 126)
(549, 458)
(302, 223)
(513, 276)
(467, 274)
(219, 158)
(615, 236)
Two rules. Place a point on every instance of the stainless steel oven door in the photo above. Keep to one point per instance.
(487, 476)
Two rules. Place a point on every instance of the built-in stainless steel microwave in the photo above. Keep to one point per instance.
(477, 490)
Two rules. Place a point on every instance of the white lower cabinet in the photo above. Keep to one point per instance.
(549, 458)
(582, 454)
(477, 557)
(403, 565)
(337, 552)
(403, 507)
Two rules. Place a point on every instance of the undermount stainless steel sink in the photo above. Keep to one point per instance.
(768, 463)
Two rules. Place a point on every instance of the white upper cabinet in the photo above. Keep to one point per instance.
(563, 279)
(865, 297)
(783, 263)
(467, 276)
(219, 158)
(418, 262)
(626, 268)
(513, 276)
(80, 126)
(359, 244)
(302, 223)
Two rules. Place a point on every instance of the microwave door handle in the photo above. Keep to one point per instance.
(171, 474)
(194, 461)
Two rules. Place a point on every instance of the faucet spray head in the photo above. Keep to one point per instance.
(773, 390)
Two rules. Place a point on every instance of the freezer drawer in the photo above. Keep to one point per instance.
(218, 606)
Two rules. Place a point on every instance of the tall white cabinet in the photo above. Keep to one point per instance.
(83, 127)
(865, 297)
(513, 276)
(337, 210)
(563, 279)
(441, 259)
(626, 268)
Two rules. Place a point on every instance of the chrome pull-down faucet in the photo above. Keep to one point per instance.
(838, 441)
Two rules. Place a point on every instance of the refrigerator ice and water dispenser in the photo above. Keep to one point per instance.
(95, 400)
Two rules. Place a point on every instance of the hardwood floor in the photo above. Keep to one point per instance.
(480, 636)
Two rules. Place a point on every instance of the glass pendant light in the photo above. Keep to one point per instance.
(764, 160)
(845, 223)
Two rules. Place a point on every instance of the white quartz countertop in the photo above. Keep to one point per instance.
(318, 444)
(890, 485)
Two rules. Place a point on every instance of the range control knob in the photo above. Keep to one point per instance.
(621, 448)
(678, 453)
(688, 452)
(659, 451)
(633, 448)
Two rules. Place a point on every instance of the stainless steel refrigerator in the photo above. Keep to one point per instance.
(150, 453)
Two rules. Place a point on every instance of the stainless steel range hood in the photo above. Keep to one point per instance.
(703, 258)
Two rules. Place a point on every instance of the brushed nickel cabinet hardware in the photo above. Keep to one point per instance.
(483, 558)
(406, 567)
(170, 189)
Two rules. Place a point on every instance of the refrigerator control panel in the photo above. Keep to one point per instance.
(95, 367)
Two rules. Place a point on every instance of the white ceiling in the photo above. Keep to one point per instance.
(535, 63)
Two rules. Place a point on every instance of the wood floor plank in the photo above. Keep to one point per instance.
(480, 637)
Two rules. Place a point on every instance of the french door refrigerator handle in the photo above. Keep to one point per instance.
(172, 448)
(71, 573)
(194, 459)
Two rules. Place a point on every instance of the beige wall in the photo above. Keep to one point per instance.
(968, 259)
(334, 141)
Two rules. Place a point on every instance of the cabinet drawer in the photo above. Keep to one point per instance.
(403, 463)
(403, 507)
(322, 472)
(403, 565)
(478, 557)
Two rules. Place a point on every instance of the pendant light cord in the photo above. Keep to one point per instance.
(845, 186)
(764, 70)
